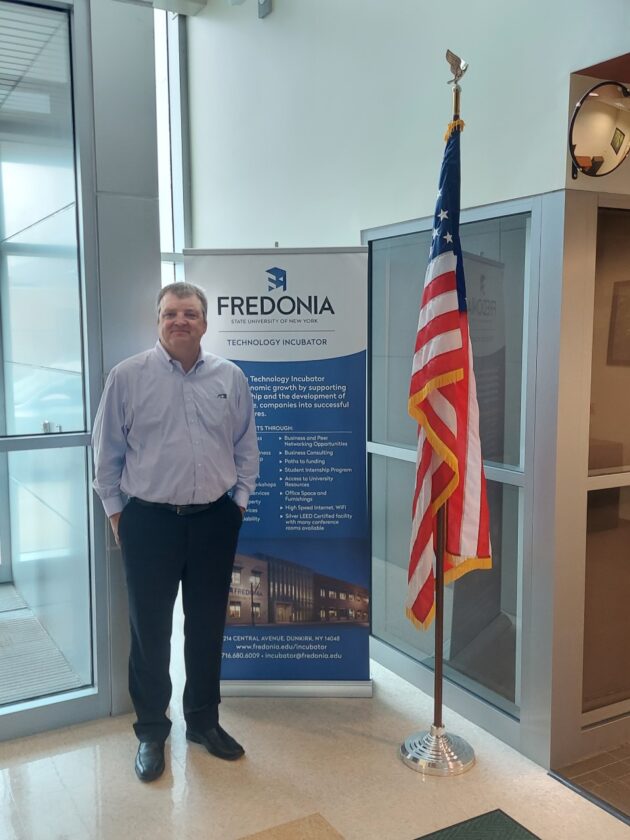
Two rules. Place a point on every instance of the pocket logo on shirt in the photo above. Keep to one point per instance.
(222, 396)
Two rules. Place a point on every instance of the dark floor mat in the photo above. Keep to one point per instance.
(495, 825)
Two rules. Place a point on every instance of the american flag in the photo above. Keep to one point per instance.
(443, 400)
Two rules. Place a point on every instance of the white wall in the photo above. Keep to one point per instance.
(327, 116)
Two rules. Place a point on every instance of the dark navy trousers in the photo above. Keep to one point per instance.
(160, 549)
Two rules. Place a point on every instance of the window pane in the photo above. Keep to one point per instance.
(168, 273)
(39, 278)
(609, 450)
(47, 605)
(480, 608)
(45, 609)
(494, 261)
(41, 329)
(606, 675)
(163, 131)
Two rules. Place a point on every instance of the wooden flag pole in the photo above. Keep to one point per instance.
(440, 548)
(435, 752)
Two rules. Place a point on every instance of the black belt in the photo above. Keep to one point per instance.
(180, 510)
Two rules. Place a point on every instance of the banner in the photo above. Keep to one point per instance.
(296, 323)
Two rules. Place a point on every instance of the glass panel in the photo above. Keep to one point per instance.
(37, 150)
(606, 674)
(45, 590)
(480, 608)
(39, 279)
(45, 611)
(168, 273)
(163, 132)
(398, 267)
(609, 449)
(41, 329)
(494, 260)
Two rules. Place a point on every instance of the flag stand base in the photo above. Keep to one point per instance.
(437, 754)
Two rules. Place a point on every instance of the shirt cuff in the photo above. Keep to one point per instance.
(241, 497)
(113, 504)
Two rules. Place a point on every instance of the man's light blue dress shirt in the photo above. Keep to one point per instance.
(164, 435)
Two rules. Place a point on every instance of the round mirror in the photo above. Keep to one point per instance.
(599, 135)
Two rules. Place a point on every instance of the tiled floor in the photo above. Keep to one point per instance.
(313, 827)
(607, 776)
(336, 758)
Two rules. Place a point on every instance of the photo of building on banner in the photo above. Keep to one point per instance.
(296, 323)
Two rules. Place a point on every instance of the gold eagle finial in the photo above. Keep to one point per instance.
(458, 66)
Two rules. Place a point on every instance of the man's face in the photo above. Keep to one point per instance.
(181, 324)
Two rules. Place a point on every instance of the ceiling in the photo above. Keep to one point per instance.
(33, 56)
(35, 95)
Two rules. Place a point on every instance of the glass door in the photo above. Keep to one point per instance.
(45, 569)
(483, 611)
(606, 663)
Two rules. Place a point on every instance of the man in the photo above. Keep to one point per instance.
(175, 434)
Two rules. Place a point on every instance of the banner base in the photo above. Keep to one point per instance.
(435, 753)
(296, 688)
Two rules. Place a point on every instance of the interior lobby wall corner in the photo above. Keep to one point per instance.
(327, 118)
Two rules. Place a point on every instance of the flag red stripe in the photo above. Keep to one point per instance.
(443, 323)
(438, 285)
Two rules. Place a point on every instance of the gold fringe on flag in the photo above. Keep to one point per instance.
(454, 125)
(424, 625)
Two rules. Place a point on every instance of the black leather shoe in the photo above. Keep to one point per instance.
(218, 742)
(150, 760)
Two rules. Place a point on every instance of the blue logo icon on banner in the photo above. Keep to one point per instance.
(277, 278)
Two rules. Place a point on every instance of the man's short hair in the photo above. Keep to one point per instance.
(183, 290)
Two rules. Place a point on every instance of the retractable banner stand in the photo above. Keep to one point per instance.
(295, 321)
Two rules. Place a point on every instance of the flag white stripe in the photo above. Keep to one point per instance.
(469, 533)
(425, 493)
(421, 573)
(444, 410)
(440, 265)
(442, 343)
(423, 502)
(439, 305)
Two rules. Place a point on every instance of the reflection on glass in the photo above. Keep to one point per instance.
(480, 608)
(606, 674)
(609, 445)
(47, 606)
(37, 179)
(41, 373)
(494, 260)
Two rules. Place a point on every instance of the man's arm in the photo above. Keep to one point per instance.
(246, 457)
(109, 441)
(113, 521)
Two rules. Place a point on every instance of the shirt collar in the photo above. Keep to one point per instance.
(173, 363)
